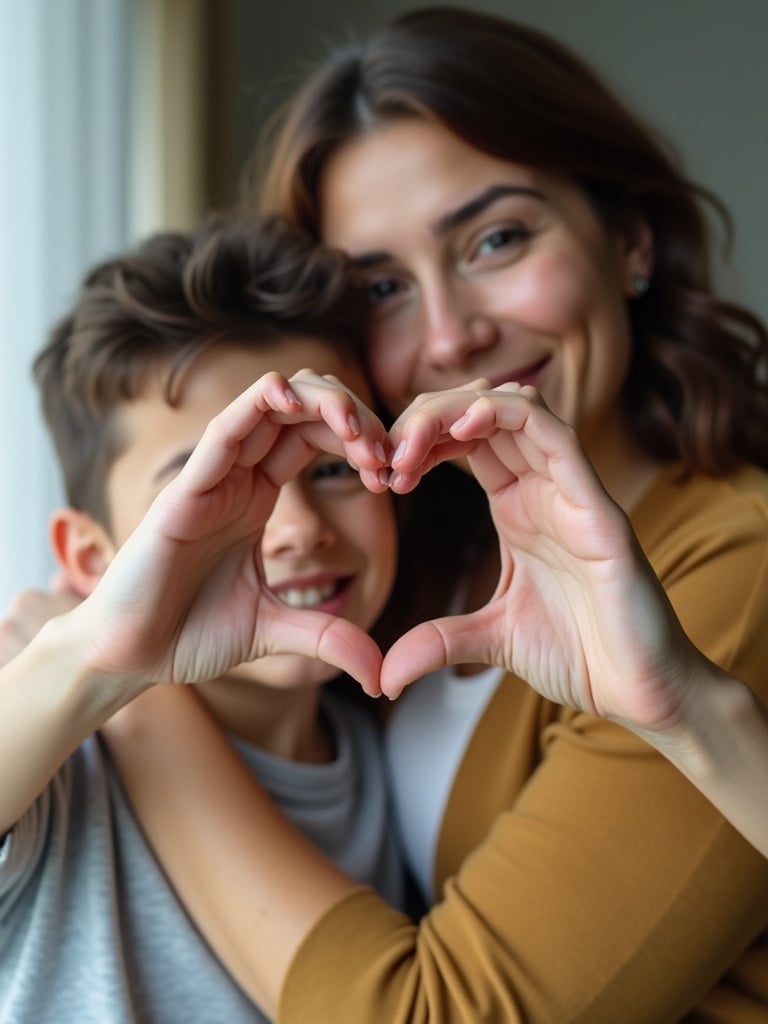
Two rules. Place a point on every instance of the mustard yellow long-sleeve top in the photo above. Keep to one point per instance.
(583, 878)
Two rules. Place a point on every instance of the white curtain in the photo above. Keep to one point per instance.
(64, 158)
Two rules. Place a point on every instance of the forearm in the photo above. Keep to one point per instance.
(50, 701)
(169, 754)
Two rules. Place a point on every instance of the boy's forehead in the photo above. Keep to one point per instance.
(285, 354)
(292, 353)
(219, 374)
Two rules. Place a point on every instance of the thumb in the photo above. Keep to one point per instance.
(333, 640)
(452, 640)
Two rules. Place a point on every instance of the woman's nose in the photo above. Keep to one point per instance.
(296, 528)
(454, 330)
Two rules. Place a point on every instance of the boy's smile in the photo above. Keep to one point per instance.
(326, 594)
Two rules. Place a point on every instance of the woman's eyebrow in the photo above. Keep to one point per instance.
(370, 259)
(454, 218)
(479, 203)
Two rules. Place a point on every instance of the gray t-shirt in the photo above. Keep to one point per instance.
(92, 933)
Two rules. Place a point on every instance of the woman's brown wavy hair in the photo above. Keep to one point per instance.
(697, 390)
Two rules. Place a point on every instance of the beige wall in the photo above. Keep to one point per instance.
(695, 68)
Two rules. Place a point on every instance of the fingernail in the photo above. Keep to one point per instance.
(459, 422)
(379, 452)
(353, 424)
(383, 476)
(291, 397)
(400, 451)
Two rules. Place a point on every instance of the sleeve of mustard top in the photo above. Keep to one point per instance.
(607, 889)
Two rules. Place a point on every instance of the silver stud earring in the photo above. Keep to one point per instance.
(640, 284)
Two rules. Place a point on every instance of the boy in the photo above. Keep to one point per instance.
(158, 343)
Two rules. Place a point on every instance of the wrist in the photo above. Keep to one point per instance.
(64, 655)
(711, 705)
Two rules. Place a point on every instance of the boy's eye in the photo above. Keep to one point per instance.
(329, 469)
(335, 472)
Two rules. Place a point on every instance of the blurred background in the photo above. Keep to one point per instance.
(121, 117)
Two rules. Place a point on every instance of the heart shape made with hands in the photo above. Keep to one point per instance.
(416, 651)
(434, 429)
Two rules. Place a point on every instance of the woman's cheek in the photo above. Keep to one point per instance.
(391, 362)
(551, 297)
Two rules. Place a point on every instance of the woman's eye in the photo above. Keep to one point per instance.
(501, 238)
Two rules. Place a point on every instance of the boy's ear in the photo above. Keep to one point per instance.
(82, 548)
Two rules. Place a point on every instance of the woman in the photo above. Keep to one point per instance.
(512, 222)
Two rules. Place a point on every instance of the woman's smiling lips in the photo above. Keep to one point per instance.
(324, 592)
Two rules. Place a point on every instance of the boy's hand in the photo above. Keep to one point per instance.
(184, 599)
(582, 618)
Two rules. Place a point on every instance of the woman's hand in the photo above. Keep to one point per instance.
(578, 613)
(184, 599)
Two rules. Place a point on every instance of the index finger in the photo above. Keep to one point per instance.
(354, 423)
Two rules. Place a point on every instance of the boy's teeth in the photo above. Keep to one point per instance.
(307, 597)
